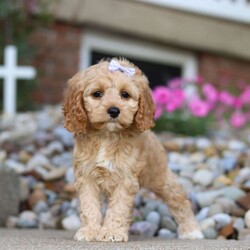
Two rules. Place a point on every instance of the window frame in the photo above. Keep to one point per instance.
(137, 49)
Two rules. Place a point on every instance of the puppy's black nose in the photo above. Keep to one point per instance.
(113, 112)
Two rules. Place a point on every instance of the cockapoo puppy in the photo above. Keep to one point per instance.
(110, 110)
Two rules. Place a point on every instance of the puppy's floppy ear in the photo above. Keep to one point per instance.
(75, 118)
(144, 118)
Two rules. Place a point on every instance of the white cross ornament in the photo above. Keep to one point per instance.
(10, 72)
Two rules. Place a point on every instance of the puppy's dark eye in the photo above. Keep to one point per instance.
(97, 94)
(125, 94)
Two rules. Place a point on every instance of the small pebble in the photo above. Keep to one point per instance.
(227, 231)
(154, 217)
(233, 193)
(203, 177)
(215, 209)
(203, 143)
(168, 223)
(150, 206)
(207, 223)
(166, 234)
(236, 145)
(202, 214)
(239, 224)
(207, 198)
(228, 163)
(244, 234)
(247, 219)
(16, 166)
(222, 220)
(54, 147)
(27, 219)
(69, 176)
(143, 228)
(162, 209)
(40, 206)
(47, 220)
(72, 222)
(210, 233)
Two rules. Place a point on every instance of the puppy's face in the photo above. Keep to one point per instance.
(111, 101)
(99, 99)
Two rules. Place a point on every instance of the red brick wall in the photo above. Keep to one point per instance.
(57, 59)
(224, 71)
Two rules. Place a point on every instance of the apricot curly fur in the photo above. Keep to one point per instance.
(117, 156)
(73, 110)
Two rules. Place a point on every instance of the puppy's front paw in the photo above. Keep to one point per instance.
(112, 235)
(192, 235)
(87, 233)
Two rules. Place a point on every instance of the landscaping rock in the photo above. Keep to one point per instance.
(72, 222)
(210, 233)
(244, 201)
(203, 177)
(205, 199)
(154, 217)
(166, 234)
(143, 228)
(233, 193)
(239, 224)
(168, 223)
(244, 234)
(247, 219)
(27, 219)
(214, 172)
(222, 220)
(227, 231)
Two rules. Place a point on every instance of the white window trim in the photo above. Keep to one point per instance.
(136, 49)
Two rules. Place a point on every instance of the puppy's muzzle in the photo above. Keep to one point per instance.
(113, 112)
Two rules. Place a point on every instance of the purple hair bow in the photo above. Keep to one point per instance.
(115, 66)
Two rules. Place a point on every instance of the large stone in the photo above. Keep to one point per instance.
(244, 234)
(227, 231)
(207, 198)
(244, 201)
(247, 219)
(72, 222)
(203, 177)
(154, 217)
(144, 228)
(9, 194)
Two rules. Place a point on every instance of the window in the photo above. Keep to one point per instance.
(158, 63)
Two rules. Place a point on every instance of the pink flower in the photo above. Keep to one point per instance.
(179, 94)
(161, 95)
(197, 79)
(238, 119)
(210, 92)
(176, 100)
(237, 103)
(245, 96)
(175, 83)
(226, 98)
(171, 106)
(158, 112)
(199, 107)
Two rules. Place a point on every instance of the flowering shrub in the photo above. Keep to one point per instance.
(204, 103)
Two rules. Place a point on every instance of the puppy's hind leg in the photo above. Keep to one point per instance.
(179, 206)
